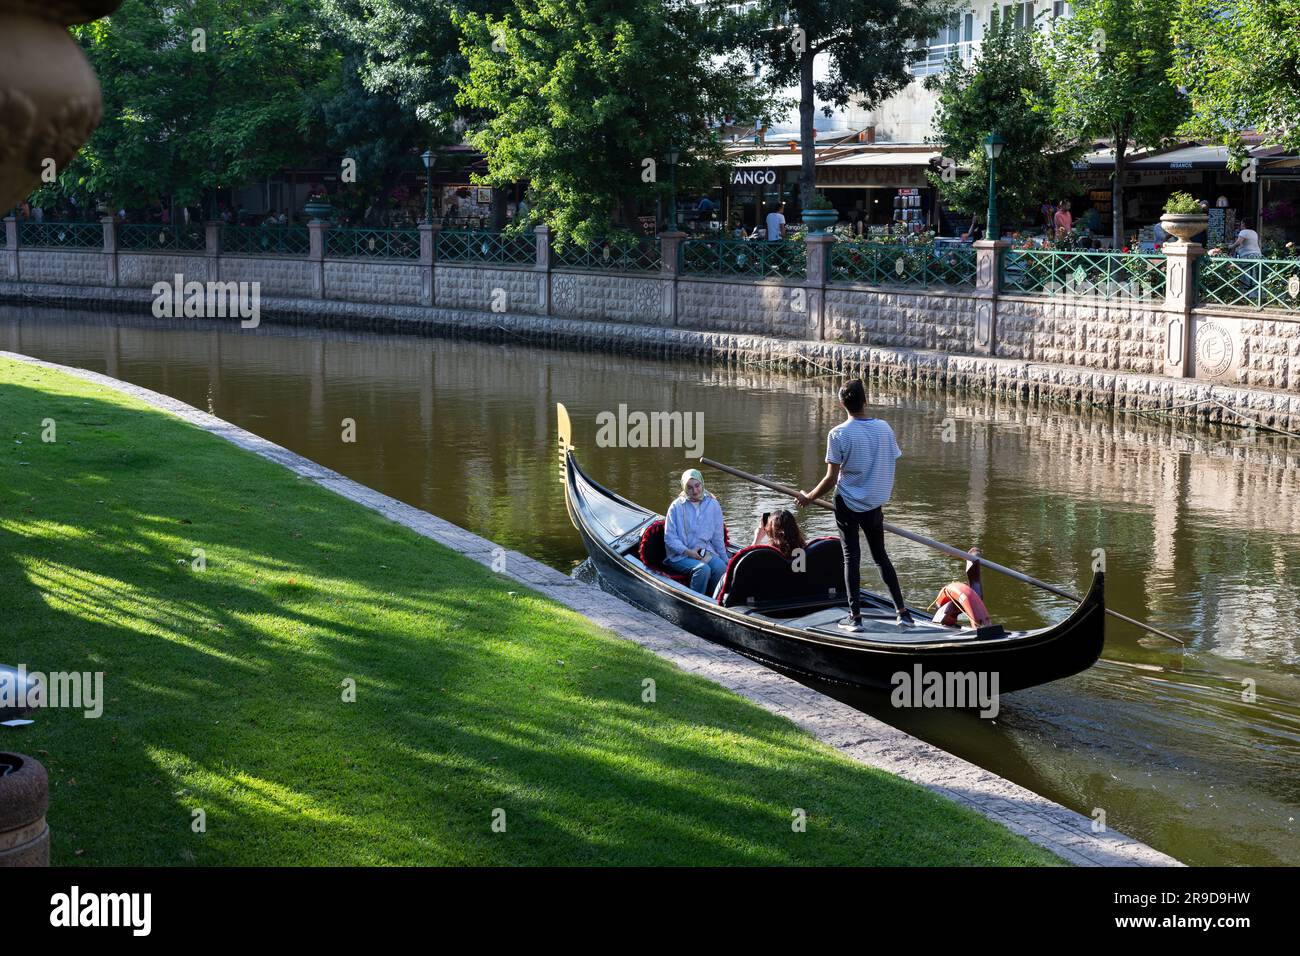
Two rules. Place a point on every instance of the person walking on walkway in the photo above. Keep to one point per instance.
(860, 456)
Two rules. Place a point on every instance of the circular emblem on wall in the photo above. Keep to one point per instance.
(1213, 349)
(900, 266)
(564, 293)
(649, 298)
(1293, 286)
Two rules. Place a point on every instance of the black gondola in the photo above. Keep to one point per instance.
(788, 620)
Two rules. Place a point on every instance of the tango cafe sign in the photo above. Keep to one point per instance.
(753, 177)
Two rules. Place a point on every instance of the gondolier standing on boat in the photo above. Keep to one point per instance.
(860, 454)
(694, 535)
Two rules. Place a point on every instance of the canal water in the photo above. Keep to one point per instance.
(1195, 751)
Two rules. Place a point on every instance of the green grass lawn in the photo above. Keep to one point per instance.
(224, 692)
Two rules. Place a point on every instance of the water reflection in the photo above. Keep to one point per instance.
(1199, 529)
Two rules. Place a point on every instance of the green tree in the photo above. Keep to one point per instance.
(867, 44)
(1108, 64)
(1003, 90)
(186, 113)
(585, 99)
(372, 128)
(410, 49)
(1239, 61)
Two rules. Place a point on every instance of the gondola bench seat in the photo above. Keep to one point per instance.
(761, 575)
(653, 551)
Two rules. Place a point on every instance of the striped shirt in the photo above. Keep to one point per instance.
(865, 449)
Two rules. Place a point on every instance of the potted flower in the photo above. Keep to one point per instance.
(819, 214)
(1184, 217)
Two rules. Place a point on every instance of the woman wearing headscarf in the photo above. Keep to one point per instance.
(693, 535)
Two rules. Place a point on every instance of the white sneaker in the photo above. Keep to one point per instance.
(851, 624)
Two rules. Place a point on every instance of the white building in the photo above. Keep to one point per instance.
(872, 163)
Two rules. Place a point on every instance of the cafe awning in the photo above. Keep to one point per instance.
(839, 157)
(1182, 157)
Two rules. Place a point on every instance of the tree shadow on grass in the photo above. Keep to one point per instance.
(226, 686)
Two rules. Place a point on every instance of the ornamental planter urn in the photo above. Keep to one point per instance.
(1184, 225)
(819, 220)
(318, 209)
(24, 800)
(49, 96)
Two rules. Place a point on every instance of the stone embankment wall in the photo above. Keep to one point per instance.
(1104, 348)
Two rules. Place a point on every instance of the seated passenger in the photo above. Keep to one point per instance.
(780, 530)
(693, 535)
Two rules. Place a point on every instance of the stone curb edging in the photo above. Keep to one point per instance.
(858, 736)
(1033, 381)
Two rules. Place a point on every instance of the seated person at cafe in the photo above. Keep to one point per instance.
(693, 535)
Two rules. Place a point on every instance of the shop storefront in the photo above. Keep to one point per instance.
(753, 191)
(1279, 211)
(873, 189)
(1200, 171)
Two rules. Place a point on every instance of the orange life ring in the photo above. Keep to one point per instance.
(964, 596)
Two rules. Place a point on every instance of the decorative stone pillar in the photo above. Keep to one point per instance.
(428, 253)
(49, 96)
(1180, 297)
(542, 236)
(988, 276)
(670, 244)
(110, 250)
(316, 257)
(814, 299)
(11, 249)
(212, 248)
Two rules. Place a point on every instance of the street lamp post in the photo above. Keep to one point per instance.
(428, 159)
(672, 155)
(993, 146)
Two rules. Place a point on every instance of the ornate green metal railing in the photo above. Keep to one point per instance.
(1123, 275)
(475, 245)
(343, 243)
(139, 237)
(266, 240)
(1255, 283)
(876, 263)
(612, 256)
(786, 259)
(65, 235)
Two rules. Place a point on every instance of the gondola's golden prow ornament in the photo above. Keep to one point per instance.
(49, 96)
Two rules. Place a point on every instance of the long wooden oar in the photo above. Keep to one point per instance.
(940, 546)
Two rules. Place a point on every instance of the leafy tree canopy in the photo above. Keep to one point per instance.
(1004, 90)
(186, 112)
(1108, 65)
(410, 49)
(1239, 61)
(867, 44)
(584, 99)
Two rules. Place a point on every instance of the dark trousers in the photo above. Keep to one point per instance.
(872, 524)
